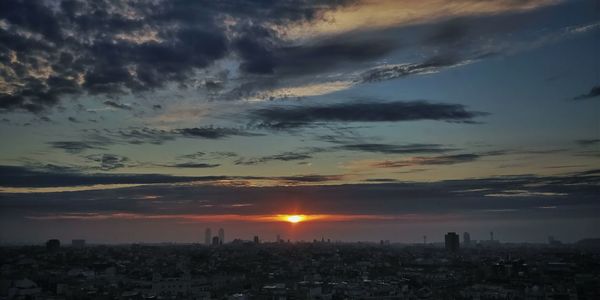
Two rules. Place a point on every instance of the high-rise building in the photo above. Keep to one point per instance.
(452, 242)
(207, 236)
(278, 238)
(53, 244)
(256, 240)
(221, 236)
(466, 239)
(215, 241)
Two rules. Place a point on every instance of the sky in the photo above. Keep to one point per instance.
(148, 121)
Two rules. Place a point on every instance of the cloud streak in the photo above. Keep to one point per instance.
(395, 111)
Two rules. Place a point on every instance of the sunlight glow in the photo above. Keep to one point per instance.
(295, 218)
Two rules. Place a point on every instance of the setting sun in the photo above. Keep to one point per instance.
(295, 218)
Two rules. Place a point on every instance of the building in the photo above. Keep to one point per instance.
(256, 240)
(176, 285)
(221, 236)
(207, 236)
(53, 244)
(78, 243)
(216, 241)
(452, 242)
(466, 239)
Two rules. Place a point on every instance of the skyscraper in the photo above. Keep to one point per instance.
(221, 236)
(207, 236)
(53, 244)
(452, 242)
(466, 239)
(215, 241)
(256, 240)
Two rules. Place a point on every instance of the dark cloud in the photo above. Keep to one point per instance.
(192, 165)
(588, 142)
(449, 33)
(396, 149)
(389, 72)
(593, 93)
(286, 156)
(259, 57)
(76, 146)
(279, 117)
(381, 180)
(195, 155)
(94, 48)
(73, 120)
(117, 105)
(143, 135)
(312, 178)
(213, 132)
(49, 175)
(524, 195)
(424, 161)
(17, 176)
(109, 161)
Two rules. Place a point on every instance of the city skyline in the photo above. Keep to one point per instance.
(356, 120)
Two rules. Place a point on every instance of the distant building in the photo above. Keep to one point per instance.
(53, 244)
(452, 242)
(221, 236)
(78, 243)
(216, 241)
(207, 236)
(466, 239)
(279, 239)
(176, 285)
(256, 240)
(553, 242)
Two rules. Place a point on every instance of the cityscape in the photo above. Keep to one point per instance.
(300, 149)
(458, 268)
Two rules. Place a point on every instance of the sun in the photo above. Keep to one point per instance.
(295, 218)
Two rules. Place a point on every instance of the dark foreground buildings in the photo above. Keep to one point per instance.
(316, 270)
(452, 242)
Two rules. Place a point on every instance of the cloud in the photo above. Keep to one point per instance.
(53, 50)
(388, 72)
(73, 120)
(320, 56)
(397, 111)
(117, 105)
(588, 142)
(396, 149)
(54, 176)
(109, 161)
(18, 176)
(191, 165)
(424, 161)
(100, 139)
(77, 146)
(381, 14)
(213, 132)
(286, 156)
(567, 192)
(311, 178)
(593, 93)
(211, 155)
